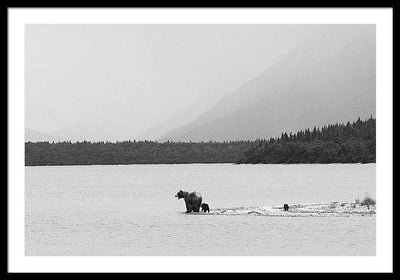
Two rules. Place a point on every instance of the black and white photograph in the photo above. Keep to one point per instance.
(213, 139)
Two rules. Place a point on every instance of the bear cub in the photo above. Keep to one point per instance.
(205, 207)
(285, 207)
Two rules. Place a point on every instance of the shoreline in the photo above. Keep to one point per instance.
(200, 163)
(324, 209)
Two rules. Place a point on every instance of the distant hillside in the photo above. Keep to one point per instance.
(32, 135)
(328, 78)
(343, 143)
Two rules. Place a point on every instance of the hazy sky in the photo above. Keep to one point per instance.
(116, 82)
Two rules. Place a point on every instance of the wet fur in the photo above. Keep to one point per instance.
(192, 200)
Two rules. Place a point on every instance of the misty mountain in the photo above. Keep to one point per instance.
(190, 113)
(329, 77)
(33, 135)
(90, 130)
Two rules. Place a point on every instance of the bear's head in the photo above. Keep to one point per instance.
(180, 194)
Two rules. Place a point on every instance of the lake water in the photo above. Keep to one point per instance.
(131, 210)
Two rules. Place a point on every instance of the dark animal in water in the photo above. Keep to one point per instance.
(192, 200)
(205, 207)
(285, 207)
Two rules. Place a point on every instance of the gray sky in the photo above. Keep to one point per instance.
(118, 82)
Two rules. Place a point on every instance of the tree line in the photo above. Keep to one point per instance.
(339, 143)
(132, 152)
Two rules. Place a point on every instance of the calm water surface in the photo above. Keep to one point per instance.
(131, 210)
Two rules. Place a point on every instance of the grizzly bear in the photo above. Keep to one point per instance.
(285, 207)
(192, 200)
(205, 207)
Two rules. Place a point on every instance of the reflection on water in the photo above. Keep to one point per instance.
(131, 210)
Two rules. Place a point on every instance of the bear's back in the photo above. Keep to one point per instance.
(191, 196)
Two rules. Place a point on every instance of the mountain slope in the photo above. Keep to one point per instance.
(328, 78)
(32, 135)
